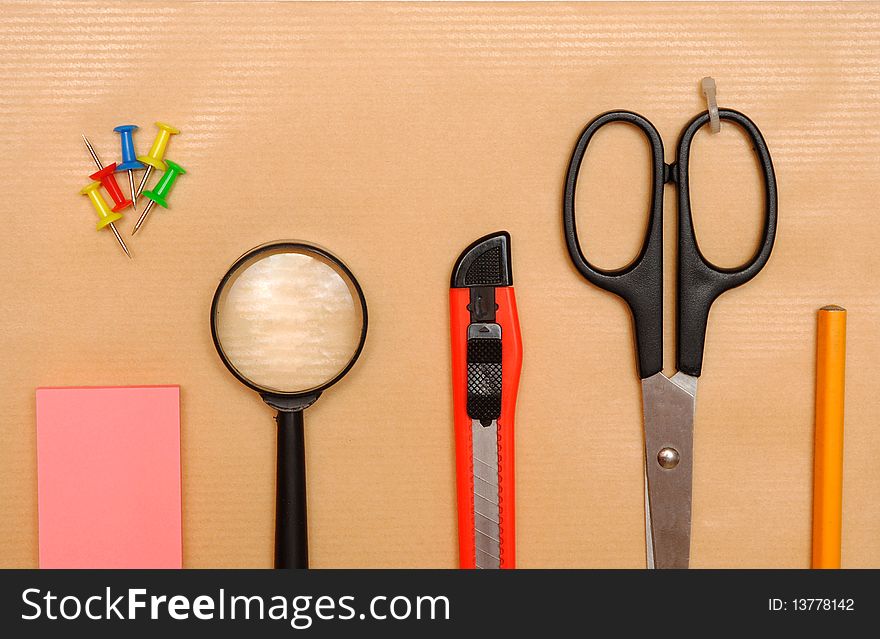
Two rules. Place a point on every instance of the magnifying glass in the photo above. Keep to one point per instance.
(289, 320)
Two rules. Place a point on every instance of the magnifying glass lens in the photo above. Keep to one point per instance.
(289, 320)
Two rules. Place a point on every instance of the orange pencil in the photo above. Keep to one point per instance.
(828, 455)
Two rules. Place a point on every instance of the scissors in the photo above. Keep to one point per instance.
(668, 403)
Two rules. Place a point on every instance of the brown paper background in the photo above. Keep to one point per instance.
(395, 135)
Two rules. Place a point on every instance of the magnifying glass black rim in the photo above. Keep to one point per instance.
(273, 246)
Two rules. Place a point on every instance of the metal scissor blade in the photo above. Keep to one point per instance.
(487, 527)
(668, 406)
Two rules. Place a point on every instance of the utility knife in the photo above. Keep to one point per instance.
(486, 364)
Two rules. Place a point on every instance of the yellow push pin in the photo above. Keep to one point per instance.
(108, 217)
(153, 159)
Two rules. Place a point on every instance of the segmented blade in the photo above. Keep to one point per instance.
(487, 527)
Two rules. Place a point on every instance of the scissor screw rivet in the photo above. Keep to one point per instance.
(668, 458)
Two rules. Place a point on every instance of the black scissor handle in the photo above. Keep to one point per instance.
(699, 281)
(640, 283)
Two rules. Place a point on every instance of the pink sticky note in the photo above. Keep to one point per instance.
(108, 470)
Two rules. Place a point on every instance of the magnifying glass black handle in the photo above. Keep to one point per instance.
(291, 524)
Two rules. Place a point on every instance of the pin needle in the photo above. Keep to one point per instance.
(140, 188)
(144, 214)
(131, 189)
(92, 152)
(119, 238)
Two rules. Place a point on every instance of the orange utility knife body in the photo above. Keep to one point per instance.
(486, 363)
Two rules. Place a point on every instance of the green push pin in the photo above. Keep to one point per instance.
(159, 194)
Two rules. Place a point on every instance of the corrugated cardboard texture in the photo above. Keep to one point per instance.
(395, 135)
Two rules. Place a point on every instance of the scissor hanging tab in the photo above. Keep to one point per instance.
(486, 359)
(710, 93)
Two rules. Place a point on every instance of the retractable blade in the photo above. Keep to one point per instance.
(487, 356)
(487, 518)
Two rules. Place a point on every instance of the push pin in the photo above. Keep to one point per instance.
(159, 195)
(153, 159)
(108, 217)
(106, 177)
(710, 93)
(129, 160)
(108, 180)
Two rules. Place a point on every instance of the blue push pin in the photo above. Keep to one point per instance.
(129, 158)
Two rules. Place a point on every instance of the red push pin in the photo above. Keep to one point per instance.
(108, 180)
